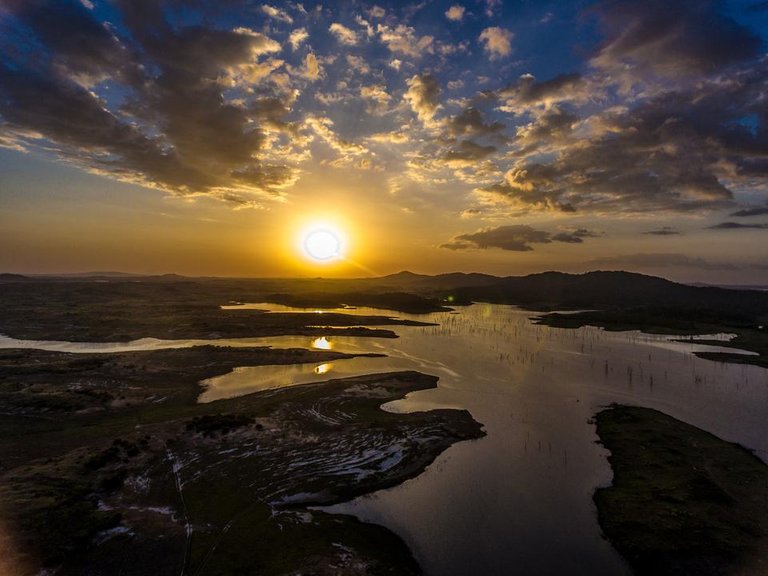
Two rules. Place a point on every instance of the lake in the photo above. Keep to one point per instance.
(520, 499)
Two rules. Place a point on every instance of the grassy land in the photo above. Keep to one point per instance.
(683, 502)
(674, 322)
(108, 462)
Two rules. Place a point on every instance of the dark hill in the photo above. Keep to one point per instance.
(610, 290)
(410, 281)
(6, 277)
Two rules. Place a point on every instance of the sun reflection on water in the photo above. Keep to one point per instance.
(323, 368)
(322, 343)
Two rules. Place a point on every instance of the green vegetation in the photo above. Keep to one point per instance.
(683, 502)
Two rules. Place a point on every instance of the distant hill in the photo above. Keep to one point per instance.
(452, 280)
(6, 277)
(731, 286)
(606, 290)
(97, 274)
(598, 290)
(111, 277)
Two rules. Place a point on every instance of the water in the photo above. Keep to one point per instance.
(267, 307)
(518, 501)
(145, 344)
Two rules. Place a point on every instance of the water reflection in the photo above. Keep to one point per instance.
(323, 368)
(267, 307)
(322, 343)
(250, 379)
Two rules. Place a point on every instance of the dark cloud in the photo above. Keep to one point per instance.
(681, 140)
(173, 126)
(423, 95)
(551, 128)
(685, 36)
(754, 211)
(680, 150)
(650, 261)
(529, 91)
(737, 226)
(87, 52)
(574, 236)
(467, 153)
(663, 231)
(71, 116)
(470, 122)
(516, 238)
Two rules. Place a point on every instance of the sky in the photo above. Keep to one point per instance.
(205, 137)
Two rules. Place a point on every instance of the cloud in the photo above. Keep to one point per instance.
(276, 13)
(497, 42)
(549, 129)
(490, 7)
(376, 92)
(574, 236)
(377, 12)
(369, 30)
(658, 119)
(679, 150)
(652, 260)
(312, 68)
(403, 40)
(737, 226)
(665, 120)
(297, 37)
(389, 138)
(175, 130)
(671, 38)
(323, 127)
(455, 13)
(663, 231)
(358, 64)
(423, 95)
(528, 91)
(753, 211)
(377, 96)
(470, 122)
(470, 213)
(517, 238)
(73, 43)
(343, 34)
(468, 153)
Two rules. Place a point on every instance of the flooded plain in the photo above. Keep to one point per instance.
(518, 501)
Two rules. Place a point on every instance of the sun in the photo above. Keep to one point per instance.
(322, 245)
